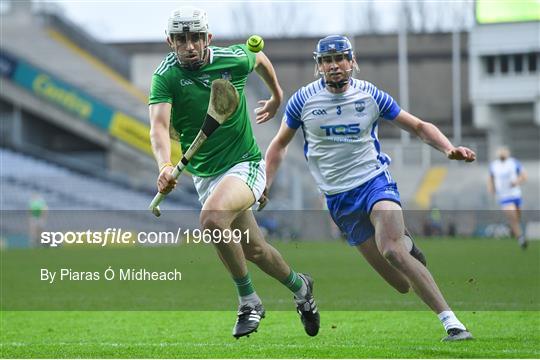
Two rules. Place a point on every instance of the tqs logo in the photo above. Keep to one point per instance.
(319, 112)
(345, 129)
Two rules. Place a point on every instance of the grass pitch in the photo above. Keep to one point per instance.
(344, 334)
(492, 285)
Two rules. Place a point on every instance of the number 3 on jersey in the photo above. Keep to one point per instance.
(338, 110)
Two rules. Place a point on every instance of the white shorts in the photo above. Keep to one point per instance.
(253, 173)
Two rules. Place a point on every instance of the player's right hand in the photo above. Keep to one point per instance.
(166, 181)
(461, 153)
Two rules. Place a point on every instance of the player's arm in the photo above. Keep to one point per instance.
(273, 158)
(160, 114)
(266, 71)
(276, 151)
(521, 178)
(431, 135)
(491, 184)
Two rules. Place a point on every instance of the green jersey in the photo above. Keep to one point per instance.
(189, 93)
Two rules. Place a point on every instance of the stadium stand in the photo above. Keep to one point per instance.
(70, 59)
(65, 189)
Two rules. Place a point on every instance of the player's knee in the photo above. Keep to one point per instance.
(394, 255)
(255, 253)
(212, 220)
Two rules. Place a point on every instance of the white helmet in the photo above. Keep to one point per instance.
(187, 19)
(189, 22)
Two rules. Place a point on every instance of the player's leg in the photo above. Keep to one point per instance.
(268, 259)
(387, 219)
(228, 198)
(513, 215)
(521, 239)
(389, 273)
(257, 250)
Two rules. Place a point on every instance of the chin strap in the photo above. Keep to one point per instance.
(196, 65)
(337, 85)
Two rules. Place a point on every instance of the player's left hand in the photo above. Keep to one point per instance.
(263, 200)
(267, 110)
(461, 153)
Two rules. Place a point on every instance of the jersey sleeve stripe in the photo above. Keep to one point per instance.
(229, 55)
(295, 107)
(166, 67)
(388, 107)
(386, 103)
(168, 61)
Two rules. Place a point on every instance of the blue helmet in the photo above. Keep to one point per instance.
(333, 44)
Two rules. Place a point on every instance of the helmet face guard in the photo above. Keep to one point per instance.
(333, 48)
(187, 30)
(191, 49)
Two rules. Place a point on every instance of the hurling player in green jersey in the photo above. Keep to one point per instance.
(228, 170)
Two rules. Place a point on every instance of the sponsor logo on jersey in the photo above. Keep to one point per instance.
(342, 129)
(205, 79)
(359, 106)
(186, 82)
(319, 112)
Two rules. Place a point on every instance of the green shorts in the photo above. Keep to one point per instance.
(253, 173)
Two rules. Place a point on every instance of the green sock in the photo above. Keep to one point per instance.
(293, 282)
(244, 286)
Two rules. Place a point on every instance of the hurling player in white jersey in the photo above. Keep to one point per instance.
(506, 174)
(338, 116)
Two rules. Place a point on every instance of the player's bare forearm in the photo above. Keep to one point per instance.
(432, 136)
(266, 71)
(491, 185)
(161, 145)
(274, 157)
(277, 151)
(159, 133)
(522, 177)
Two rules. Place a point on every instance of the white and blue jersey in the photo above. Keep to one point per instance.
(504, 173)
(343, 151)
(340, 131)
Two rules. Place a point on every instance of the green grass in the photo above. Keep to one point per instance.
(492, 285)
(208, 335)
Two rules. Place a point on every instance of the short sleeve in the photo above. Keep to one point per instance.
(388, 107)
(519, 167)
(293, 111)
(159, 91)
(251, 57)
